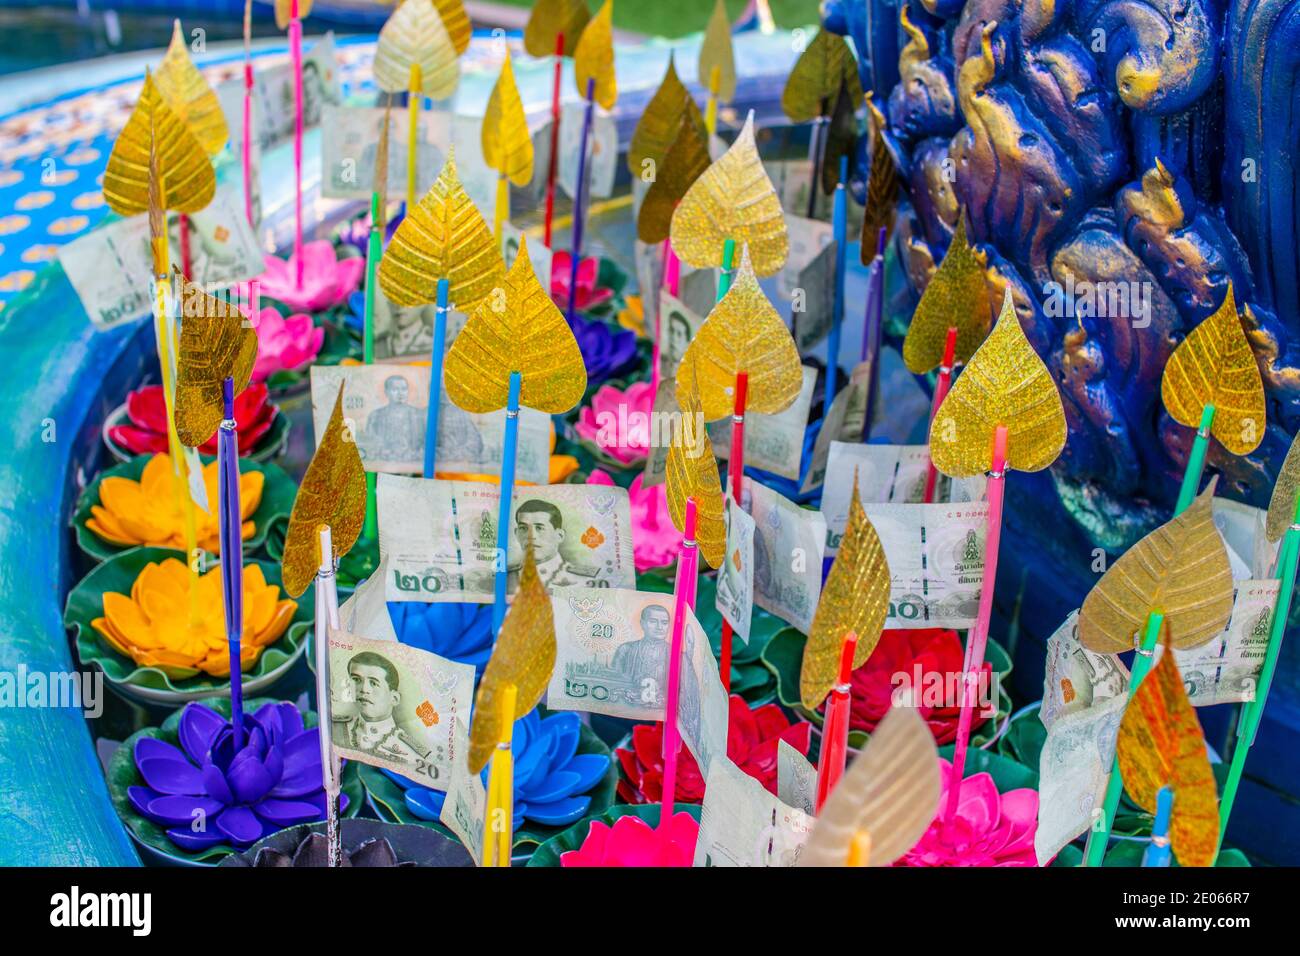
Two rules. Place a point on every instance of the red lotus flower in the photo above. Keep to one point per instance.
(929, 662)
(589, 295)
(751, 743)
(147, 433)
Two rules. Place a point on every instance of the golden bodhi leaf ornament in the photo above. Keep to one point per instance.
(507, 144)
(517, 328)
(816, 76)
(333, 492)
(691, 471)
(552, 18)
(1215, 366)
(855, 599)
(524, 655)
(891, 791)
(1282, 506)
(660, 126)
(955, 296)
(716, 52)
(594, 57)
(1181, 568)
(444, 237)
(883, 183)
(733, 199)
(415, 36)
(686, 160)
(1161, 744)
(187, 181)
(186, 91)
(216, 343)
(284, 11)
(456, 21)
(743, 333)
(1005, 383)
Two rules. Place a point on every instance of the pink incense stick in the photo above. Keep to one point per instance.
(978, 637)
(247, 151)
(295, 60)
(940, 392)
(684, 597)
(835, 732)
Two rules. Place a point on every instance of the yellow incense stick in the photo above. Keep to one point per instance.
(503, 206)
(859, 849)
(711, 114)
(412, 134)
(498, 830)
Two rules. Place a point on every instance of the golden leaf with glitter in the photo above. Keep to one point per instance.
(187, 181)
(284, 11)
(1181, 568)
(854, 599)
(1161, 744)
(517, 328)
(1281, 507)
(1005, 383)
(743, 333)
(552, 18)
(415, 36)
(734, 199)
(891, 791)
(685, 162)
(816, 76)
(716, 51)
(333, 492)
(691, 471)
(955, 296)
(594, 57)
(660, 126)
(456, 21)
(524, 655)
(507, 144)
(216, 342)
(883, 183)
(1215, 366)
(184, 89)
(444, 237)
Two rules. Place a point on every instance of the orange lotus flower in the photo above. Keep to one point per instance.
(146, 512)
(152, 626)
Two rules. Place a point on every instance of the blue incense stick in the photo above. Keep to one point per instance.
(1157, 852)
(232, 552)
(579, 212)
(507, 493)
(873, 329)
(839, 228)
(435, 381)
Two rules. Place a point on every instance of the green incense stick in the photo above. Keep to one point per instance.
(1195, 461)
(728, 267)
(374, 251)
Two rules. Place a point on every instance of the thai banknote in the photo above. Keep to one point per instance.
(386, 408)
(365, 612)
(677, 328)
(789, 543)
(1250, 552)
(796, 778)
(649, 263)
(398, 707)
(1074, 677)
(478, 179)
(742, 824)
(772, 442)
(735, 584)
(892, 474)
(1226, 670)
(602, 152)
(440, 537)
(273, 95)
(698, 290)
(702, 706)
(464, 812)
(540, 256)
(812, 300)
(350, 138)
(792, 179)
(664, 409)
(843, 424)
(405, 332)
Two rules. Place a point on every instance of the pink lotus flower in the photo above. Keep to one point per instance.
(633, 842)
(989, 829)
(326, 279)
(619, 421)
(284, 345)
(654, 539)
(589, 296)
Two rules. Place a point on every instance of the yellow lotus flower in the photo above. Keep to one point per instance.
(632, 315)
(152, 626)
(146, 512)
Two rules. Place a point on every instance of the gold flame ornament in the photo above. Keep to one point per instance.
(734, 199)
(186, 181)
(552, 18)
(216, 343)
(507, 144)
(660, 126)
(883, 183)
(855, 599)
(691, 471)
(517, 328)
(1281, 506)
(956, 296)
(1181, 568)
(816, 76)
(444, 237)
(1005, 383)
(1161, 744)
(685, 162)
(190, 97)
(594, 57)
(716, 52)
(415, 36)
(284, 11)
(1215, 366)
(524, 655)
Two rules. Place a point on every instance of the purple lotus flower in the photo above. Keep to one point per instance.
(205, 792)
(607, 351)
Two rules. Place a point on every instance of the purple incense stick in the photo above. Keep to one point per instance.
(232, 552)
(873, 328)
(575, 254)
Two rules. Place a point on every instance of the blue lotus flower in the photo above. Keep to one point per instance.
(551, 777)
(458, 632)
(355, 319)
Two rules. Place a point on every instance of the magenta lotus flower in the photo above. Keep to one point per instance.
(633, 842)
(619, 421)
(589, 294)
(989, 829)
(327, 280)
(284, 345)
(654, 539)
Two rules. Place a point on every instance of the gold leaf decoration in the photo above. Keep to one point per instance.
(686, 160)
(691, 471)
(716, 51)
(955, 296)
(743, 333)
(594, 57)
(854, 599)
(734, 199)
(1161, 744)
(1181, 568)
(660, 126)
(1005, 383)
(883, 183)
(518, 329)
(816, 76)
(444, 237)
(507, 144)
(1281, 507)
(891, 791)
(552, 18)
(284, 11)
(1215, 366)
(333, 492)
(841, 142)
(524, 655)
(187, 183)
(456, 21)
(415, 35)
(216, 342)
(185, 90)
